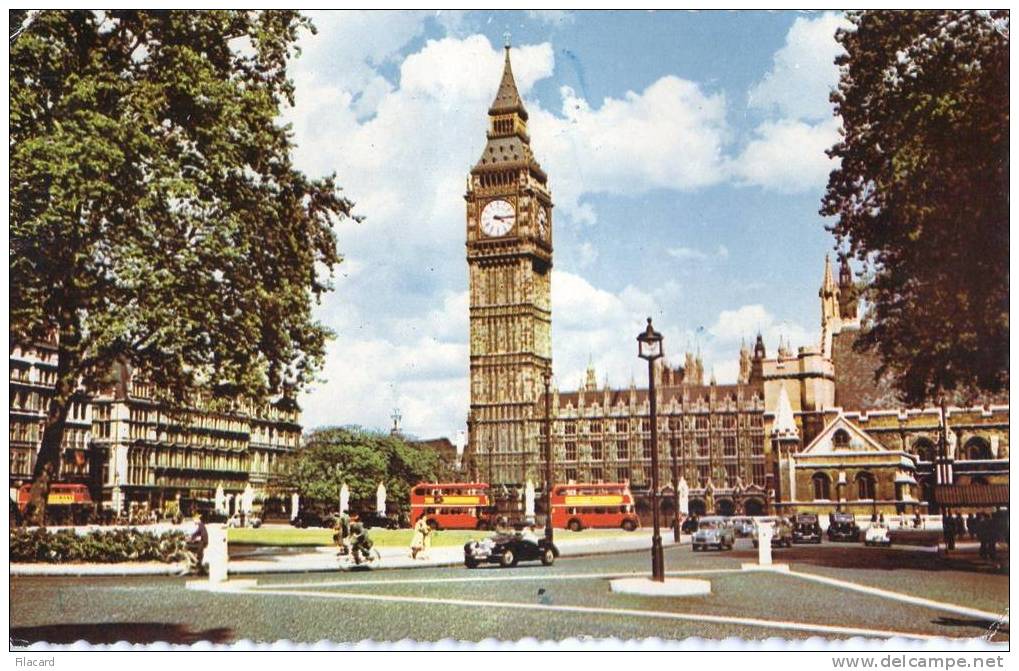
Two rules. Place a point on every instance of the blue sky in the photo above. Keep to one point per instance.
(685, 152)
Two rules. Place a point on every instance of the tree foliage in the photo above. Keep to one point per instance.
(361, 459)
(921, 195)
(156, 217)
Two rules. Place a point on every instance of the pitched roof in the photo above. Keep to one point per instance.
(822, 443)
(507, 99)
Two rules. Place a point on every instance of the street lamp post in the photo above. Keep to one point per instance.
(547, 378)
(649, 347)
(675, 489)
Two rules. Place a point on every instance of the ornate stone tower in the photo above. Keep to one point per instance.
(509, 259)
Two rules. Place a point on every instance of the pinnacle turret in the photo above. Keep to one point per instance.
(507, 98)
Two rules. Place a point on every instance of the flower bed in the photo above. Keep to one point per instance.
(99, 547)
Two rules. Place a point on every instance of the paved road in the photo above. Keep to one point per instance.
(570, 599)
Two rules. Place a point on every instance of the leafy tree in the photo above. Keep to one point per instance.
(921, 195)
(156, 217)
(361, 459)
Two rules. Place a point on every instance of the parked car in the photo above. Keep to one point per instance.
(373, 520)
(782, 534)
(714, 531)
(743, 527)
(237, 520)
(506, 549)
(877, 534)
(689, 525)
(806, 529)
(842, 527)
(313, 517)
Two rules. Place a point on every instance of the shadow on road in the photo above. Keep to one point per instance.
(114, 632)
(887, 560)
(978, 623)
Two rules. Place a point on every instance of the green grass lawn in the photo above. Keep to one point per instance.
(293, 537)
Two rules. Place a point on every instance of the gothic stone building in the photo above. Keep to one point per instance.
(134, 452)
(806, 431)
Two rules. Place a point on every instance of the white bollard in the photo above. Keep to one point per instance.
(216, 553)
(764, 534)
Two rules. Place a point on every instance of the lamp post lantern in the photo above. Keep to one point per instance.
(547, 379)
(649, 347)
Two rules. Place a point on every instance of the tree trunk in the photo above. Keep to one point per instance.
(47, 464)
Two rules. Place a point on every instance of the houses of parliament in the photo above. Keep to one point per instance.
(813, 430)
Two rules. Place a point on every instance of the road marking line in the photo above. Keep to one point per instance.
(589, 610)
(898, 596)
(478, 578)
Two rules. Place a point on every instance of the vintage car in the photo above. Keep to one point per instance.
(372, 520)
(689, 525)
(743, 526)
(313, 517)
(506, 549)
(806, 529)
(713, 531)
(238, 520)
(877, 534)
(842, 527)
(782, 531)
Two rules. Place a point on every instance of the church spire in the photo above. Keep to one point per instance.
(507, 99)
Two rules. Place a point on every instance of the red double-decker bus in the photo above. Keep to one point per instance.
(455, 505)
(604, 505)
(66, 503)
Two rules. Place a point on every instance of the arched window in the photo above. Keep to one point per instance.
(822, 487)
(977, 449)
(865, 486)
(924, 449)
(840, 441)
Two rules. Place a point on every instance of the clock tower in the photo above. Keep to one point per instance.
(509, 260)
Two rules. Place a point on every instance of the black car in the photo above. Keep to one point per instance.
(842, 527)
(689, 525)
(806, 529)
(376, 521)
(506, 549)
(312, 517)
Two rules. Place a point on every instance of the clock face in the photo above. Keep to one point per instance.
(543, 222)
(497, 218)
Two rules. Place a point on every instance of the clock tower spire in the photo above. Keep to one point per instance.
(509, 260)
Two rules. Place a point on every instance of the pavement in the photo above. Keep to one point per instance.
(280, 560)
(832, 591)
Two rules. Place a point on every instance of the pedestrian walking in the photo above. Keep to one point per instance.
(422, 537)
(971, 526)
(985, 532)
(960, 526)
(948, 529)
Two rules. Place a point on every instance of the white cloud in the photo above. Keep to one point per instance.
(787, 152)
(692, 254)
(733, 326)
(552, 17)
(788, 156)
(803, 72)
(671, 135)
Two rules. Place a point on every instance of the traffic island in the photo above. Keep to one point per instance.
(670, 587)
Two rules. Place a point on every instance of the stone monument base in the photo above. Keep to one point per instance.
(671, 587)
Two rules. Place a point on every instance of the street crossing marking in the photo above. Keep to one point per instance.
(898, 596)
(593, 610)
(481, 578)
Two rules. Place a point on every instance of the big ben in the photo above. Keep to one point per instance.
(509, 259)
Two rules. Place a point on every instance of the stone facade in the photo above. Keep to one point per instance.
(137, 453)
(811, 430)
(509, 258)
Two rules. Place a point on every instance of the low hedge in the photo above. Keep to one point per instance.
(100, 547)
